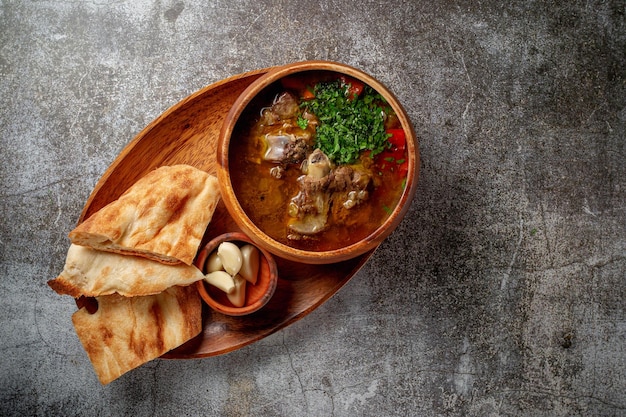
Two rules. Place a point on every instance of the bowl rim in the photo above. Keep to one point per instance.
(261, 238)
(200, 262)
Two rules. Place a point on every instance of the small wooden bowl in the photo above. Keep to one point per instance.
(247, 225)
(257, 295)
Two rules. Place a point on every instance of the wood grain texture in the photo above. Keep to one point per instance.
(187, 133)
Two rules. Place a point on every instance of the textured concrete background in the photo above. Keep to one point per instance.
(503, 291)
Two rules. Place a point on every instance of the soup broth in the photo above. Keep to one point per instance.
(291, 189)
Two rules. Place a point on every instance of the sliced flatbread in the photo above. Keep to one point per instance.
(93, 273)
(127, 332)
(163, 216)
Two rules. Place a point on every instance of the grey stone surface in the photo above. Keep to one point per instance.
(501, 293)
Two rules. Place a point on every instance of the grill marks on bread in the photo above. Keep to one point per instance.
(130, 267)
(126, 332)
(162, 216)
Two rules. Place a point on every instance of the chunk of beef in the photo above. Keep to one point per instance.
(309, 208)
(341, 177)
(285, 105)
(327, 192)
(285, 148)
(296, 151)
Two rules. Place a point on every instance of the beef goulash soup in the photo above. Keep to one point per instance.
(318, 160)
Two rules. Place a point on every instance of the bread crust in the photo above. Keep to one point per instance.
(134, 258)
(163, 216)
(93, 273)
(126, 332)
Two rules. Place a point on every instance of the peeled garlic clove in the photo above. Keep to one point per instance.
(250, 267)
(230, 255)
(214, 263)
(221, 280)
(238, 296)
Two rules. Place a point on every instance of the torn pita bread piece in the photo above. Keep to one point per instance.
(93, 273)
(126, 332)
(163, 216)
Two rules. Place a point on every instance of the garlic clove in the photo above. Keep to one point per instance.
(230, 255)
(250, 266)
(221, 280)
(238, 296)
(213, 263)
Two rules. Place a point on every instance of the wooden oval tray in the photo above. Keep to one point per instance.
(187, 134)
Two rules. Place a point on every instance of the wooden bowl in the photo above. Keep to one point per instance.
(242, 219)
(257, 295)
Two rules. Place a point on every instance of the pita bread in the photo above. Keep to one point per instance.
(93, 273)
(163, 216)
(127, 332)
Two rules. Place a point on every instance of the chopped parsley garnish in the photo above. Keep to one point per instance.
(348, 125)
(302, 122)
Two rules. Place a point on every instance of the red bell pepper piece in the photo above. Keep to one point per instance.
(308, 94)
(355, 87)
(403, 168)
(397, 139)
(394, 157)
